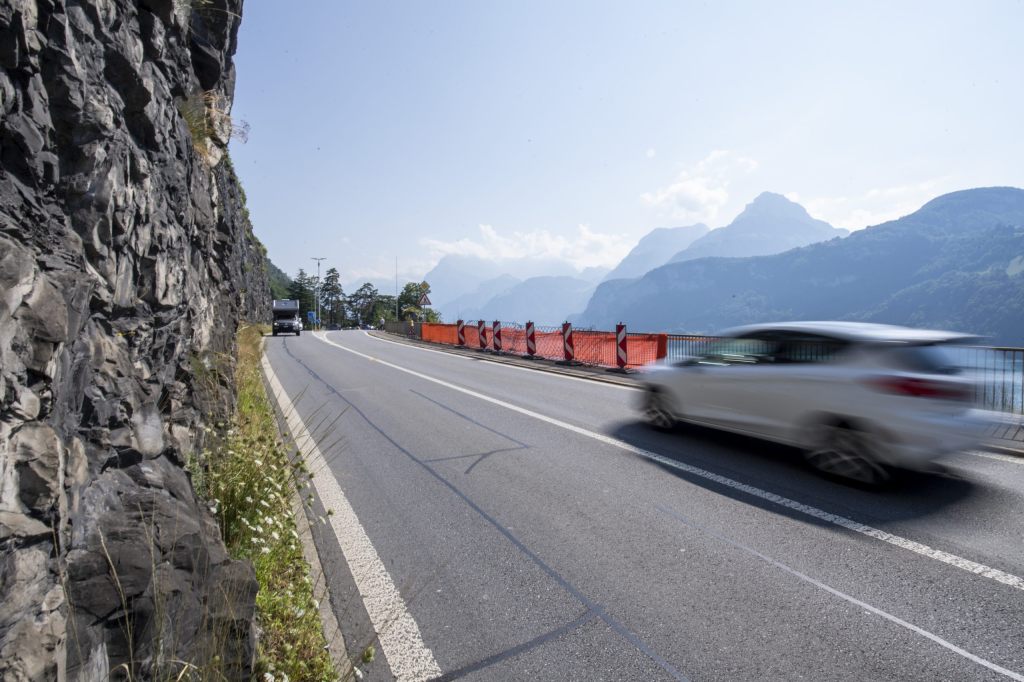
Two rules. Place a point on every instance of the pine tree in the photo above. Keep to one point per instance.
(302, 290)
(332, 297)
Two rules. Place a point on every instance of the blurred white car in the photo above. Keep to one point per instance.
(857, 398)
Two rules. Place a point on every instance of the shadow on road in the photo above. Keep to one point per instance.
(780, 469)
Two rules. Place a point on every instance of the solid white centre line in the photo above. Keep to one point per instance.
(853, 600)
(855, 526)
(399, 635)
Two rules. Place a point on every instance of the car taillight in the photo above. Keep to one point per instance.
(920, 388)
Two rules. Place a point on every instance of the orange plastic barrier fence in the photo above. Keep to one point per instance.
(592, 347)
(440, 333)
(599, 348)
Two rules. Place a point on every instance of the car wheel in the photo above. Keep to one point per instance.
(275, 333)
(847, 453)
(656, 413)
(298, 333)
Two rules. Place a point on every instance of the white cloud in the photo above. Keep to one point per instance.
(651, 153)
(699, 193)
(586, 248)
(876, 205)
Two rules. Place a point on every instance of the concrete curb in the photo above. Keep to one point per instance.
(598, 374)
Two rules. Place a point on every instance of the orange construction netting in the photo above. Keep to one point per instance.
(592, 347)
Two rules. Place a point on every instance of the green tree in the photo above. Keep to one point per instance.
(332, 297)
(302, 290)
(383, 309)
(362, 302)
(409, 303)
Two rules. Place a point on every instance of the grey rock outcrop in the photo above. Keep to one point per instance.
(126, 263)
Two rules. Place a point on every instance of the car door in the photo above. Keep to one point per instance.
(728, 379)
(792, 376)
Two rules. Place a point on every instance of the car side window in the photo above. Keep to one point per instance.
(746, 350)
(808, 348)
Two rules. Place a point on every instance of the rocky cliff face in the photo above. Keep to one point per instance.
(126, 261)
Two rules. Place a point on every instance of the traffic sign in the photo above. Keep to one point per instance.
(425, 300)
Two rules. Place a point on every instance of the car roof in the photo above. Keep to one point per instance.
(863, 332)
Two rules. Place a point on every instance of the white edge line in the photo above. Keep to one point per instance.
(398, 633)
(853, 600)
(918, 548)
(506, 365)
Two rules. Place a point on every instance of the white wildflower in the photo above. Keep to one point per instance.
(265, 550)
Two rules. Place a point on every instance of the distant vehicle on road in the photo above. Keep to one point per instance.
(286, 317)
(857, 398)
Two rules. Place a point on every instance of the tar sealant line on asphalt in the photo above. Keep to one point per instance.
(842, 595)
(592, 607)
(924, 550)
(398, 633)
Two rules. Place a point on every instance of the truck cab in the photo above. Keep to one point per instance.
(286, 317)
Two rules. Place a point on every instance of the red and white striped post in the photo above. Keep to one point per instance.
(568, 347)
(621, 353)
(497, 336)
(461, 328)
(481, 328)
(531, 340)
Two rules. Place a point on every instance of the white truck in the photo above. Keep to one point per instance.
(286, 317)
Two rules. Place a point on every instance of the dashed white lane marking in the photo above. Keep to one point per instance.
(855, 526)
(853, 600)
(505, 365)
(399, 635)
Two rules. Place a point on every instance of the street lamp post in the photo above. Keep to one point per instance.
(316, 290)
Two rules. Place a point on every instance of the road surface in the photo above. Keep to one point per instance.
(497, 523)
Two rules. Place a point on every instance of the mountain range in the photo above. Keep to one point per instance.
(655, 249)
(543, 300)
(769, 224)
(956, 263)
(470, 287)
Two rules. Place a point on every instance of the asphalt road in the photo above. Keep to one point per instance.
(530, 527)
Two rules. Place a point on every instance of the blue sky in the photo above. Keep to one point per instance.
(571, 129)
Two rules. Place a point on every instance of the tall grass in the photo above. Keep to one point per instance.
(249, 478)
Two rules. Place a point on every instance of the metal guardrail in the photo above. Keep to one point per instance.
(998, 371)
(408, 329)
